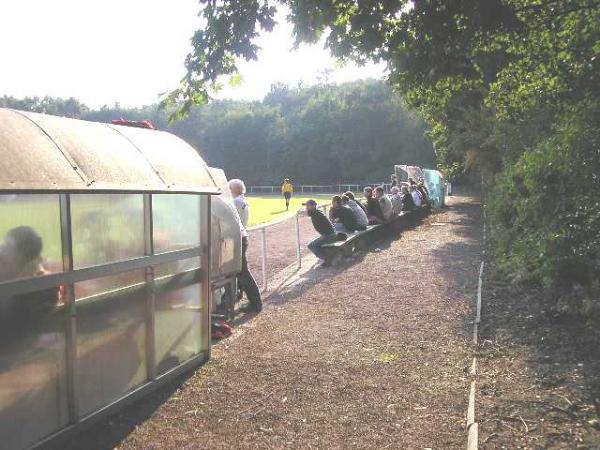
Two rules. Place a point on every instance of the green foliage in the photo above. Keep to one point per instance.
(57, 106)
(511, 91)
(545, 209)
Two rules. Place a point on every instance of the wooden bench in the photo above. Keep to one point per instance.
(361, 239)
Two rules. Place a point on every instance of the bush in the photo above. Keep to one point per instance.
(545, 209)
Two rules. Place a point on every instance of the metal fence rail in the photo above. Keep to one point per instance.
(314, 188)
(295, 217)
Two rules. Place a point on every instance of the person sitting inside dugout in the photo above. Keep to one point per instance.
(384, 203)
(359, 213)
(373, 207)
(21, 257)
(342, 216)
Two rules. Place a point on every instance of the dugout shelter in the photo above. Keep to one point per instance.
(105, 265)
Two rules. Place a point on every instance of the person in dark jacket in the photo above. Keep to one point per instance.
(323, 226)
(408, 204)
(374, 212)
(342, 217)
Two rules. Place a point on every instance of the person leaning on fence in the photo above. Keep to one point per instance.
(350, 195)
(393, 181)
(359, 214)
(374, 212)
(384, 202)
(246, 281)
(287, 189)
(342, 217)
(323, 226)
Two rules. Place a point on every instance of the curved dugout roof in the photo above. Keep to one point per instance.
(39, 152)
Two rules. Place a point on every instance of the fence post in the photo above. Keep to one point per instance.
(264, 257)
(298, 253)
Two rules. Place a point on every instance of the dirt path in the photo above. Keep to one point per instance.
(369, 355)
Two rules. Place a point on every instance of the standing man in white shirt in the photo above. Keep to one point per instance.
(245, 279)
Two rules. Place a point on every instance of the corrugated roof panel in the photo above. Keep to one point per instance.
(106, 159)
(48, 153)
(28, 157)
(178, 164)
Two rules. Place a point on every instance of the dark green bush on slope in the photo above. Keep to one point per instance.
(546, 208)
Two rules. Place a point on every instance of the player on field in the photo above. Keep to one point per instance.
(287, 189)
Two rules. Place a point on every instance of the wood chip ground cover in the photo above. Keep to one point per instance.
(539, 371)
(373, 354)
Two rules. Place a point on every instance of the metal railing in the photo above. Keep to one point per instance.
(315, 188)
(295, 216)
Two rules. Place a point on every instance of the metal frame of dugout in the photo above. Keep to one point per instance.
(124, 215)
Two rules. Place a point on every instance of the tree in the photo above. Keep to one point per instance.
(498, 81)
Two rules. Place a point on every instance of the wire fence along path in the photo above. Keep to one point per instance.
(314, 188)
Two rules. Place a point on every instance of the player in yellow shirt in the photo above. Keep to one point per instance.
(287, 189)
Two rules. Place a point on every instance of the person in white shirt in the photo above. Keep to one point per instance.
(245, 279)
(361, 217)
(416, 195)
(384, 202)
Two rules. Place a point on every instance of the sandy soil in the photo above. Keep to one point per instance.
(372, 354)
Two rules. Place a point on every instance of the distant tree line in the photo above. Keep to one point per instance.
(352, 132)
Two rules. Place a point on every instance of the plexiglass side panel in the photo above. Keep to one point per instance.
(111, 339)
(178, 318)
(30, 236)
(176, 221)
(33, 381)
(106, 228)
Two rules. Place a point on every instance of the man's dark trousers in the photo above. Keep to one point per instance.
(246, 281)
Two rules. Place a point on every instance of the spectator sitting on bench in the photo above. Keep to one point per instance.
(359, 214)
(408, 204)
(374, 212)
(342, 217)
(350, 195)
(323, 226)
(396, 199)
(423, 188)
(384, 202)
(416, 195)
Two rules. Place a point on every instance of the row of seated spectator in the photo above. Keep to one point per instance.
(348, 215)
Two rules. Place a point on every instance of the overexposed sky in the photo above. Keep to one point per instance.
(129, 51)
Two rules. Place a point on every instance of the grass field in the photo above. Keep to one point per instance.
(265, 209)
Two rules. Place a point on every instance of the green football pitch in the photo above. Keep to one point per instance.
(268, 208)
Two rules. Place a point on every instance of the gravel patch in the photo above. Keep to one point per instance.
(371, 354)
